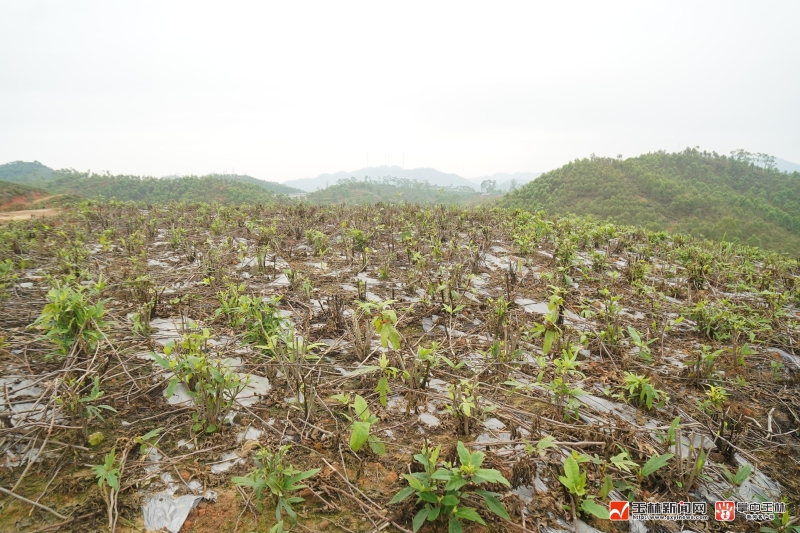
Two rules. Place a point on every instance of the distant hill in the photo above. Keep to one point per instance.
(504, 181)
(157, 190)
(786, 166)
(277, 188)
(30, 173)
(224, 188)
(390, 190)
(701, 193)
(431, 175)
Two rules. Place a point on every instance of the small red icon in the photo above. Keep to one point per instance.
(619, 510)
(724, 511)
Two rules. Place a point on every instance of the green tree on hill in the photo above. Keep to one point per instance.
(738, 198)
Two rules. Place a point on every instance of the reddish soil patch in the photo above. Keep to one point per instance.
(28, 213)
(215, 517)
(23, 200)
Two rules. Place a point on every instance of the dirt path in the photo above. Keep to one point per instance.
(46, 198)
(28, 213)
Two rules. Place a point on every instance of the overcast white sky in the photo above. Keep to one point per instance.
(284, 90)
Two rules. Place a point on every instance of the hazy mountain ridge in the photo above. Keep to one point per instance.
(504, 180)
(354, 191)
(786, 166)
(431, 175)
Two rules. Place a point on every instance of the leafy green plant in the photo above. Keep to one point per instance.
(547, 443)
(644, 346)
(385, 323)
(777, 368)
(611, 314)
(307, 288)
(503, 355)
(564, 393)
(232, 306)
(80, 408)
(499, 317)
(548, 328)
(623, 461)
(574, 479)
(92, 410)
(359, 239)
(108, 475)
(703, 366)
(716, 396)
(318, 240)
(387, 372)
(641, 391)
(273, 473)
(146, 441)
(741, 475)
(444, 489)
(361, 424)
(209, 382)
(293, 353)
(652, 465)
(7, 276)
(417, 371)
(723, 320)
(71, 321)
(141, 320)
(464, 402)
(782, 523)
(263, 321)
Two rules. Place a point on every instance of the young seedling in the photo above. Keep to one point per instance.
(209, 382)
(108, 477)
(644, 346)
(445, 491)
(542, 446)
(386, 373)
(280, 478)
(741, 475)
(464, 402)
(574, 479)
(361, 423)
(641, 391)
(71, 321)
(715, 398)
(548, 329)
(703, 366)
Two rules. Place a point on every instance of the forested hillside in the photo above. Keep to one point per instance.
(365, 191)
(157, 190)
(28, 173)
(277, 188)
(737, 198)
(225, 188)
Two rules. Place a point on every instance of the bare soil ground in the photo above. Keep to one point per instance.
(543, 322)
(29, 213)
